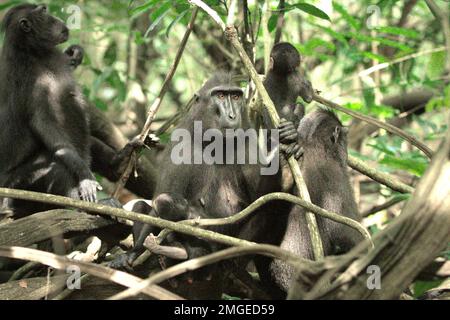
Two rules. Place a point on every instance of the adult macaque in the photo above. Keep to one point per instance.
(324, 168)
(186, 191)
(45, 131)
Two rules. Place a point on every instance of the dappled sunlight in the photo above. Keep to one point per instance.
(143, 142)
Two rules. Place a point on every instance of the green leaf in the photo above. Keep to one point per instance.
(374, 56)
(143, 8)
(312, 10)
(175, 21)
(440, 102)
(414, 166)
(447, 96)
(110, 56)
(336, 35)
(164, 138)
(400, 31)
(355, 24)
(138, 38)
(272, 23)
(157, 16)
(436, 66)
(309, 46)
(386, 149)
(382, 110)
(433, 104)
(354, 105)
(182, 6)
(100, 104)
(420, 287)
(387, 42)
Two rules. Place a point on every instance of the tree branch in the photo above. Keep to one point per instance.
(381, 207)
(62, 263)
(386, 126)
(378, 176)
(401, 250)
(189, 227)
(120, 213)
(280, 21)
(193, 264)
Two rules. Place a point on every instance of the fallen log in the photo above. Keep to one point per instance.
(44, 225)
(31, 289)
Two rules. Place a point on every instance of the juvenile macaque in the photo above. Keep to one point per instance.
(284, 83)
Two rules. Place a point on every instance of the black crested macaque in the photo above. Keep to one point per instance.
(45, 142)
(285, 78)
(75, 54)
(109, 149)
(324, 168)
(284, 83)
(187, 190)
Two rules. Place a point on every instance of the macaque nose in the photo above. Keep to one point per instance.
(231, 113)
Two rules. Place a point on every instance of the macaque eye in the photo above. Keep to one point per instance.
(236, 97)
(220, 95)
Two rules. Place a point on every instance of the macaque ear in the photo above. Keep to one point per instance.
(271, 62)
(336, 133)
(25, 25)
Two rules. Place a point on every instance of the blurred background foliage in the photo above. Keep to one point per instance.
(383, 58)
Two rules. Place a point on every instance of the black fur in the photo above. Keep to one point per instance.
(284, 84)
(324, 168)
(188, 191)
(45, 131)
(75, 54)
(109, 155)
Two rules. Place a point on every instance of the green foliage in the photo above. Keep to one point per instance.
(272, 23)
(110, 55)
(312, 10)
(392, 156)
(413, 164)
(176, 20)
(352, 21)
(158, 15)
(399, 31)
(436, 66)
(439, 102)
(9, 4)
(131, 44)
(143, 8)
(420, 287)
